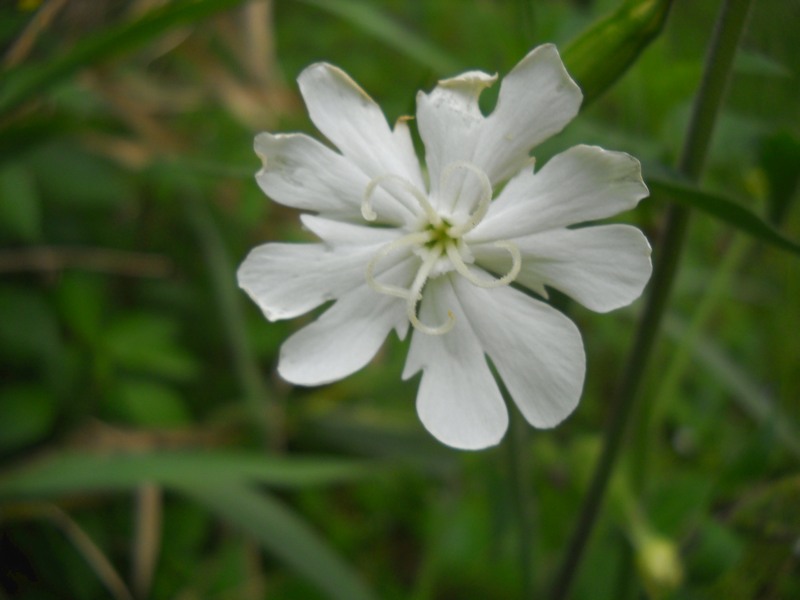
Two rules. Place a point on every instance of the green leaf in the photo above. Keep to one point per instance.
(20, 208)
(715, 550)
(32, 130)
(71, 177)
(145, 403)
(82, 472)
(284, 534)
(147, 343)
(83, 302)
(27, 413)
(376, 23)
(779, 157)
(676, 506)
(723, 208)
(600, 55)
(27, 81)
(29, 332)
(754, 63)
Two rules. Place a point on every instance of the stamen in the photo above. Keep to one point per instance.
(371, 215)
(483, 205)
(411, 239)
(415, 295)
(516, 264)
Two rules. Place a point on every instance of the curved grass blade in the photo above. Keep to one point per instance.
(284, 534)
(85, 472)
(26, 81)
(724, 209)
(749, 395)
(373, 21)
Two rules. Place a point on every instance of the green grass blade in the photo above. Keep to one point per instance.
(285, 535)
(265, 412)
(748, 394)
(26, 81)
(682, 358)
(724, 209)
(88, 472)
(374, 22)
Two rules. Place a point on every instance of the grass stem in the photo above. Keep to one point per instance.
(719, 60)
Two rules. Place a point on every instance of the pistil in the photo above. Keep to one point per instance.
(437, 239)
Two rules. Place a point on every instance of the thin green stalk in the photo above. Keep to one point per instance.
(719, 59)
(265, 414)
(519, 477)
(652, 413)
(89, 550)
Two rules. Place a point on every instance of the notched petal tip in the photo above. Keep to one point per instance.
(634, 175)
(627, 168)
(247, 280)
(261, 147)
(536, 64)
(471, 82)
(549, 53)
(269, 146)
(323, 70)
(456, 95)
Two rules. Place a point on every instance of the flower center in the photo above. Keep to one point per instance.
(439, 234)
(439, 244)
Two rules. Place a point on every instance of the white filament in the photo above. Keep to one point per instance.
(366, 205)
(412, 239)
(415, 296)
(436, 240)
(457, 231)
(516, 264)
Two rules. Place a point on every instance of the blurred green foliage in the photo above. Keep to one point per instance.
(144, 434)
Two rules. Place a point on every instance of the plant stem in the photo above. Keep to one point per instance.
(719, 59)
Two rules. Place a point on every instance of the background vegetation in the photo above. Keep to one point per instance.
(148, 448)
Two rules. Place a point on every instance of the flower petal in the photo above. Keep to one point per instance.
(287, 280)
(300, 172)
(458, 399)
(603, 267)
(338, 233)
(343, 339)
(537, 99)
(583, 183)
(537, 351)
(450, 125)
(352, 120)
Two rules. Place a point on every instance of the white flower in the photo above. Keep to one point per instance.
(440, 256)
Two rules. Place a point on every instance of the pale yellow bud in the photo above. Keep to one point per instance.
(660, 564)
